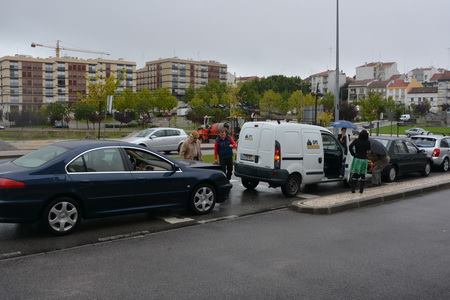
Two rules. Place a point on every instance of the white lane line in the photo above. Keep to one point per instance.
(176, 220)
(217, 219)
(123, 236)
(306, 196)
(10, 254)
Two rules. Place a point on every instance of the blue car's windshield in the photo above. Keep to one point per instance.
(39, 157)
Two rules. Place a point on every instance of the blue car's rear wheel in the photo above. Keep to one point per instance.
(62, 216)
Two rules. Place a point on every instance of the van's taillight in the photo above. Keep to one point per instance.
(436, 152)
(11, 184)
(277, 155)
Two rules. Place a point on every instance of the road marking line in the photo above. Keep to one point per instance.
(306, 196)
(176, 220)
(217, 219)
(10, 254)
(122, 236)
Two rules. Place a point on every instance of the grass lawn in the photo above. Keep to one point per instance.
(401, 130)
(46, 134)
(208, 158)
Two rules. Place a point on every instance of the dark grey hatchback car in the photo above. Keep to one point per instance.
(67, 181)
(405, 158)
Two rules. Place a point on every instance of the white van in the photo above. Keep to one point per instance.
(405, 117)
(288, 155)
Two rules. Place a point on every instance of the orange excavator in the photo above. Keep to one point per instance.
(210, 131)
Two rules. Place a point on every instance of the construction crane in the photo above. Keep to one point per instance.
(58, 49)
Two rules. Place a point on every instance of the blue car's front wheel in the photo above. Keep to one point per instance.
(203, 199)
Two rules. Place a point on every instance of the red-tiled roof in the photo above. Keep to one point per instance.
(378, 84)
(436, 77)
(372, 64)
(324, 73)
(423, 90)
(398, 83)
(445, 76)
(394, 77)
(364, 82)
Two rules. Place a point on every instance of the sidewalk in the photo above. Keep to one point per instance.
(388, 192)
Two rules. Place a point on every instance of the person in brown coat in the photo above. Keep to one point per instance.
(190, 149)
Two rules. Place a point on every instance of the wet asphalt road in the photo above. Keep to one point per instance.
(23, 239)
(395, 251)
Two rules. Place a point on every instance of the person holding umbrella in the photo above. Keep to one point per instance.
(359, 149)
(379, 156)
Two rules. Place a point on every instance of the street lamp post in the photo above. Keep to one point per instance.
(315, 105)
(336, 91)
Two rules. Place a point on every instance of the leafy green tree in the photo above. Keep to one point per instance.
(347, 111)
(145, 105)
(232, 101)
(422, 108)
(56, 111)
(125, 101)
(270, 103)
(98, 92)
(84, 111)
(164, 100)
(296, 102)
(328, 102)
(371, 107)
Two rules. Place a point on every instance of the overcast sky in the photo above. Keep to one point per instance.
(253, 37)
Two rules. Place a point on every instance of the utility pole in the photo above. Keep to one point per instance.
(336, 91)
(315, 105)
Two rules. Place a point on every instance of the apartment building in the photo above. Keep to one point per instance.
(444, 89)
(358, 90)
(324, 82)
(420, 94)
(26, 83)
(399, 88)
(376, 70)
(179, 74)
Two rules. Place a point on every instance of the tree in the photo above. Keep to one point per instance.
(56, 111)
(98, 91)
(164, 100)
(348, 111)
(145, 105)
(324, 118)
(328, 102)
(232, 101)
(125, 101)
(422, 108)
(371, 107)
(270, 103)
(297, 103)
(84, 111)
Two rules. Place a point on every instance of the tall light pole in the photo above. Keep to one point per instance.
(336, 91)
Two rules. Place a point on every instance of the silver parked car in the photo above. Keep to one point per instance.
(436, 147)
(159, 139)
(416, 131)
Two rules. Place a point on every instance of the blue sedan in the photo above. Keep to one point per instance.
(67, 181)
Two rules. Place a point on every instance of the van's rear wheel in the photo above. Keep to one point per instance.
(292, 185)
(249, 184)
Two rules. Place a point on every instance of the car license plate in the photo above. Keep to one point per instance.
(247, 157)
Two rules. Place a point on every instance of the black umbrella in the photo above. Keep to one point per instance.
(377, 148)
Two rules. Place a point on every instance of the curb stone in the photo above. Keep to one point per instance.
(309, 207)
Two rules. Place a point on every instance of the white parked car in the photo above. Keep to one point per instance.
(287, 155)
(159, 139)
